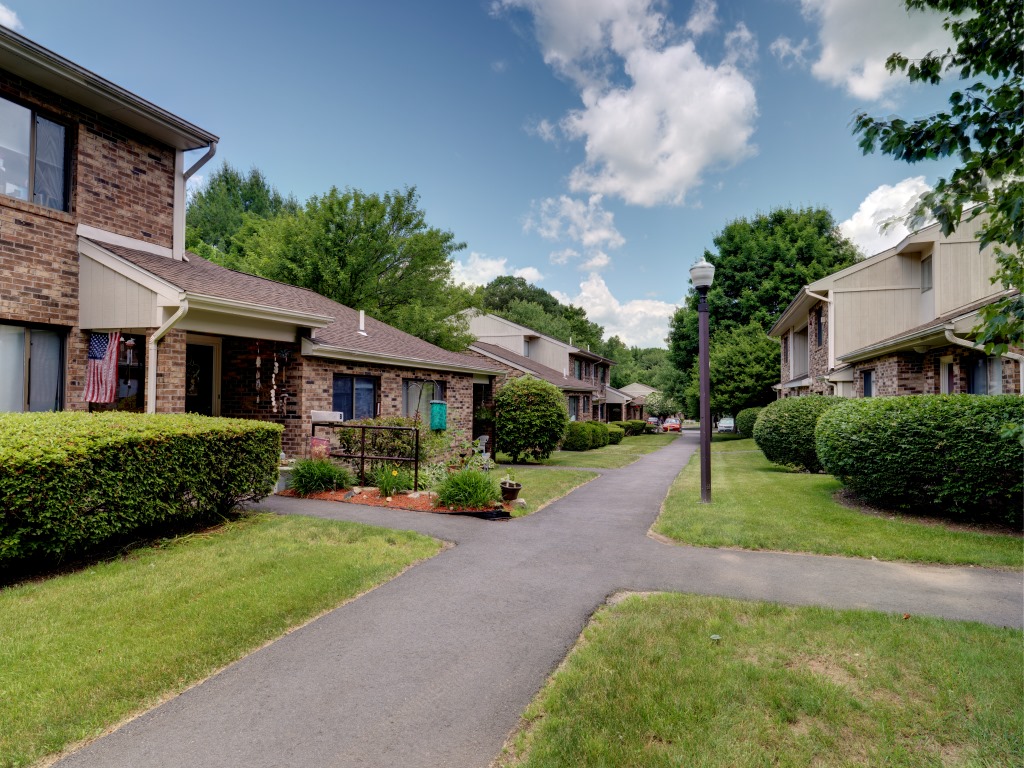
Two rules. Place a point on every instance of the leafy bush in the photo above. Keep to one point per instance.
(393, 443)
(432, 475)
(784, 430)
(745, 420)
(311, 476)
(577, 437)
(615, 435)
(598, 434)
(391, 478)
(469, 488)
(530, 417)
(72, 481)
(632, 427)
(939, 453)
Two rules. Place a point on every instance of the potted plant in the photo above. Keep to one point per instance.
(509, 487)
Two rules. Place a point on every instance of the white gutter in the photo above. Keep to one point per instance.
(181, 177)
(953, 339)
(152, 355)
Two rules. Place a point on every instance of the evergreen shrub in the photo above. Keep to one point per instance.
(784, 430)
(598, 434)
(745, 420)
(615, 434)
(577, 437)
(942, 454)
(530, 418)
(71, 482)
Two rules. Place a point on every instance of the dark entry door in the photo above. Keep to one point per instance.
(199, 379)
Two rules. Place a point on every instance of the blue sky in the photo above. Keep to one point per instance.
(594, 147)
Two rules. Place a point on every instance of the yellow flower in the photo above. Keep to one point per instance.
(394, 473)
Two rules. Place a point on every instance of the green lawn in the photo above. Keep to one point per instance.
(82, 651)
(608, 457)
(542, 486)
(758, 505)
(647, 686)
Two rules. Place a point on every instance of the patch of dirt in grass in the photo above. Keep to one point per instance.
(849, 500)
(827, 668)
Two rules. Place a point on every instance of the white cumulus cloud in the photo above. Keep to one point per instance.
(583, 221)
(655, 116)
(9, 18)
(702, 17)
(878, 221)
(640, 322)
(855, 38)
(480, 270)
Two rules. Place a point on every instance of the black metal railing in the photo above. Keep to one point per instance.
(362, 455)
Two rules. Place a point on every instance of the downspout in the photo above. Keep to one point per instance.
(182, 176)
(953, 339)
(152, 354)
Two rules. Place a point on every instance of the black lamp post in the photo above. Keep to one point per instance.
(701, 275)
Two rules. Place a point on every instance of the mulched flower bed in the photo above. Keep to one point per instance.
(421, 502)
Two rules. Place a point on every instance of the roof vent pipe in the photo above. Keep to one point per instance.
(362, 322)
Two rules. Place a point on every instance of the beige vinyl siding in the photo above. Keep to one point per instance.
(110, 300)
(962, 276)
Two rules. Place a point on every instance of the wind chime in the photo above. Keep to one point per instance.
(277, 369)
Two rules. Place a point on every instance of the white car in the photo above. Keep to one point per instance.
(726, 424)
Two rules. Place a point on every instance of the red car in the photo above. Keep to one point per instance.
(670, 425)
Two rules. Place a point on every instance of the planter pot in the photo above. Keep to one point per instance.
(510, 491)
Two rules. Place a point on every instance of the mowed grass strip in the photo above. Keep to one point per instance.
(647, 686)
(758, 505)
(82, 651)
(607, 457)
(542, 486)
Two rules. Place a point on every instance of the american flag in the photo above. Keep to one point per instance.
(101, 376)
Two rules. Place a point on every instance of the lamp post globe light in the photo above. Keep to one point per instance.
(701, 275)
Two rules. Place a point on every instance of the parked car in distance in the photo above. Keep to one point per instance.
(653, 420)
(671, 425)
(727, 424)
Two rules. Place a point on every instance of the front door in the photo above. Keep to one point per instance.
(200, 379)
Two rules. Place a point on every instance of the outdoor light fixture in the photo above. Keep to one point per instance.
(701, 275)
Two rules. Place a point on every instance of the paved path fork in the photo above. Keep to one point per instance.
(435, 667)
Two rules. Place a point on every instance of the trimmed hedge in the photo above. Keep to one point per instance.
(577, 437)
(784, 430)
(530, 418)
(745, 421)
(938, 453)
(631, 428)
(598, 433)
(73, 481)
(615, 434)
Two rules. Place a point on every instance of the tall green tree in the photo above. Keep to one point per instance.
(217, 210)
(983, 128)
(366, 251)
(505, 289)
(744, 366)
(760, 265)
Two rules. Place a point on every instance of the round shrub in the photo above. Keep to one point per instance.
(745, 421)
(944, 454)
(577, 437)
(598, 434)
(470, 488)
(530, 417)
(316, 475)
(615, 435)
(784, 430)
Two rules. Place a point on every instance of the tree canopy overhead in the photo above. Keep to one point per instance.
(983, 127)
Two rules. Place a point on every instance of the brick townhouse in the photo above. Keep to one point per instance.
(92, 220)
(898, 323)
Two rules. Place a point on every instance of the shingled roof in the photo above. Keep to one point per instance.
(200, 277)
(527, 365)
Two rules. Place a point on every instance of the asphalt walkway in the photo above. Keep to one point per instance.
(435, 667)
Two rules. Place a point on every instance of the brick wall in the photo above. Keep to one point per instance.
(170, 372)
(911, 373)
(120, 181)
(307, 384)
(818, 353)
(784, 358)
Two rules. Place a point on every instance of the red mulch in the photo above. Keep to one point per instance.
(372, 497)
